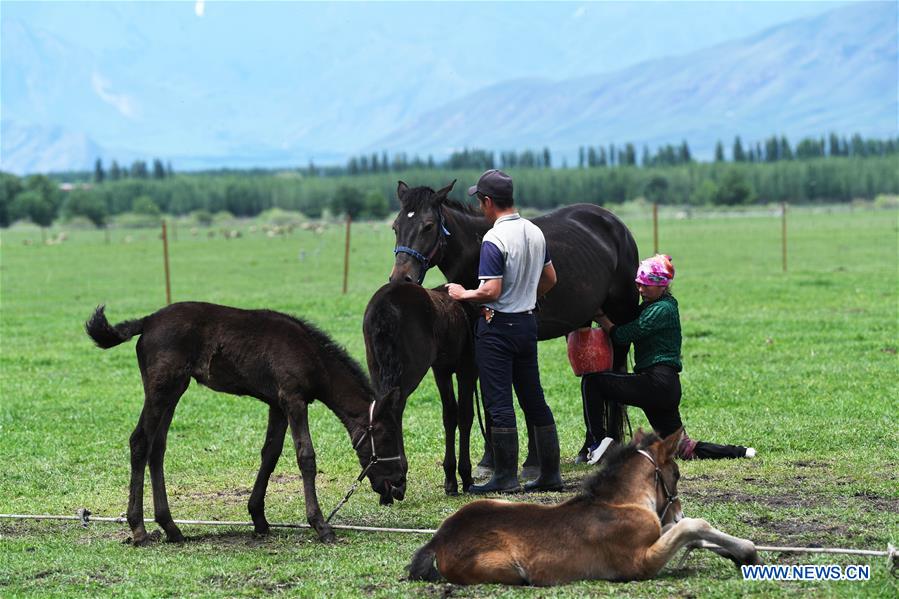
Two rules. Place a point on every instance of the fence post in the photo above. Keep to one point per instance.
(783, 233)
(165, 259)
(346, 252)
(655, 228)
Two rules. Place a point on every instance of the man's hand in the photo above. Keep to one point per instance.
(488, 291)
(455, 290)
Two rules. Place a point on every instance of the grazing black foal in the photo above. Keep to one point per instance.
(409, 329)
(278, 359)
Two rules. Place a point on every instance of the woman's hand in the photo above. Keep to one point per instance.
(603, 321)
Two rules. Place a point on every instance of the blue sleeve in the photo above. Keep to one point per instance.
(492, 262)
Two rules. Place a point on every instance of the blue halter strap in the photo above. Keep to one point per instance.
(424, 260)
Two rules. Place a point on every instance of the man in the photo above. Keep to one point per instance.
(515, 269)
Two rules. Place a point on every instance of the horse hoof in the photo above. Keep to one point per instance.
(328, 538)
(483, 472)
(175, 538)
(145, 539)
(451, 492)
(262, 529)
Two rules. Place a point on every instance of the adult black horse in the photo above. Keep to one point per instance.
(594, 254)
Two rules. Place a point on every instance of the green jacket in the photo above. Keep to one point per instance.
(655, 334)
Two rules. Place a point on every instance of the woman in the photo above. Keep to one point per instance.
(655, 385)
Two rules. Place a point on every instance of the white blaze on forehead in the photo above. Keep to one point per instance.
(410, 214)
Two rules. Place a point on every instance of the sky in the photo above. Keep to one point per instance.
(207, 78)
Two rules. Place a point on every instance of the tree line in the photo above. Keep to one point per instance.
(837, 171)
(772, 149)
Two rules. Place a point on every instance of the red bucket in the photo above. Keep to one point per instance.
(589, 350)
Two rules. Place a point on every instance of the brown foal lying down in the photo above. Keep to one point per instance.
(626, 524)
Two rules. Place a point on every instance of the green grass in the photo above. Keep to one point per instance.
(801, 365)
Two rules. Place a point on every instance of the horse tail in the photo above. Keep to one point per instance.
(423, 566)
(106, 335)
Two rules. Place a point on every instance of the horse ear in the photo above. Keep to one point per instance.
(638, 436)
(670, 444)
(401, 189)
(440, 196)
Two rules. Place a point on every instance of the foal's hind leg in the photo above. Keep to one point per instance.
(690, 530)
(159, 404)
(271, 451)
(444, 380)
(162, 514)
(297, 415)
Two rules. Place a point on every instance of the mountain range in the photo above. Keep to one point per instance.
(280, 84)
(831, 72)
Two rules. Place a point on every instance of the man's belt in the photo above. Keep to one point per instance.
(489, 313)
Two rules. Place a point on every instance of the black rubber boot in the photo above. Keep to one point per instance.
(505, 460)
(550, 479)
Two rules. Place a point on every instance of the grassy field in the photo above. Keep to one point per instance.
(801, 365)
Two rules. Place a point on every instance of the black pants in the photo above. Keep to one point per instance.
(506, 351)
(656, 390)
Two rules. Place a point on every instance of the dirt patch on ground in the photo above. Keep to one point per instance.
(286, 478)
(248, 538)
(795, 528)
(438, 591)
(258, 580)
(864, 501)
(227, 494)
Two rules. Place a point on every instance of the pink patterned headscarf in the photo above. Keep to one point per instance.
(656, 271)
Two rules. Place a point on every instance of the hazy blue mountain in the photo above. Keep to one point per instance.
(33, 149)
(276, 84)
(832, 72)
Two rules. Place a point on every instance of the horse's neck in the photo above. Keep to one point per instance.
(463, 247)
(348, 399)
(638, 492)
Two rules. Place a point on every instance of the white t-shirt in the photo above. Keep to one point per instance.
(514, 250)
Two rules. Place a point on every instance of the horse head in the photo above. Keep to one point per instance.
(661, 453)
(420, 231)
(380, 448)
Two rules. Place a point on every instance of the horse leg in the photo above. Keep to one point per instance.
(686, 532)
(298, 417)
(162, 514)
(271, 451)
(444, 380)
(485, 465)
(157, 407)
(467, 379)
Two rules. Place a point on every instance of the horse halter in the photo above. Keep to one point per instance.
(374, 459)
(425, 261)
(669, 498)
(369, 432)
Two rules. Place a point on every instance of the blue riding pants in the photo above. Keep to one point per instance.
(506, 350)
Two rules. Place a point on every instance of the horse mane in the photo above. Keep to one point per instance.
(605, 481)
(462, 207)
(420, 196)
(383, 323)
(331, 348)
